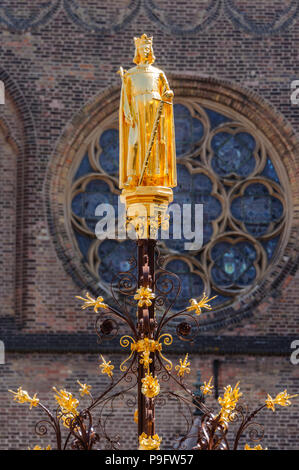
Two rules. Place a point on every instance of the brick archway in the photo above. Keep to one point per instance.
(24, 148)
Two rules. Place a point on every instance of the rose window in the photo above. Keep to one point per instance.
(223, 164)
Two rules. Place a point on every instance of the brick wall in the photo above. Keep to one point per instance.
(52, 67)
(40, 372)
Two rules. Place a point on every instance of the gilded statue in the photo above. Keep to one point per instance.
(147, 143)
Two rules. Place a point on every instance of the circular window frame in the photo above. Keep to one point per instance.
(216, 94)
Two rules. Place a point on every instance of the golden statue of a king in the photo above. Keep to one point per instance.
(147, 145)
(147, 161)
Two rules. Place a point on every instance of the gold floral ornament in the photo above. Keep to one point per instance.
(258, 447)
(68, 405)
(91, 302)
(136, 416)
(203, 303)
(66, 401)
(39, 448)
(106, 367)
(144, 296)
(150, 386)
(228, 403)
(146, 344)
(145, 359)
(183, 367)
(84, 389)
(143, 347)
(149, 442)
(21, 396)
(207, 387)
(282, 399)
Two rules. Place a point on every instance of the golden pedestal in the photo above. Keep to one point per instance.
(146, 208)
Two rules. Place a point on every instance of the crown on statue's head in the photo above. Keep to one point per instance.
(144, 39)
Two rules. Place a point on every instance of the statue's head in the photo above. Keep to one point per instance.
(144, 53)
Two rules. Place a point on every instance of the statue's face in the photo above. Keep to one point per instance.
(144, 52)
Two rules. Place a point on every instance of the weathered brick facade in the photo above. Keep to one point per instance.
(59, 68)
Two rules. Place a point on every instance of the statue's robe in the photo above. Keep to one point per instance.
(143, 88)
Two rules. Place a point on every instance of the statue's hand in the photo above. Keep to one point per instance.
(168, 94)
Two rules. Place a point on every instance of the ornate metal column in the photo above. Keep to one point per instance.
(147, 163)
(146, 329)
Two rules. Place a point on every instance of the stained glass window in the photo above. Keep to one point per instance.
(221, 164)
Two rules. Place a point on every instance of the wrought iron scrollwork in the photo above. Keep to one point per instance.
(145, 368)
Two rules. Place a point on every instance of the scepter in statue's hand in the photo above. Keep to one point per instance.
(167, 94)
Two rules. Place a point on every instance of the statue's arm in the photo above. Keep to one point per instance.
(128, 112)
(166, 92)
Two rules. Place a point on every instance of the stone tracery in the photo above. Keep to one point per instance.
(201, 15)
